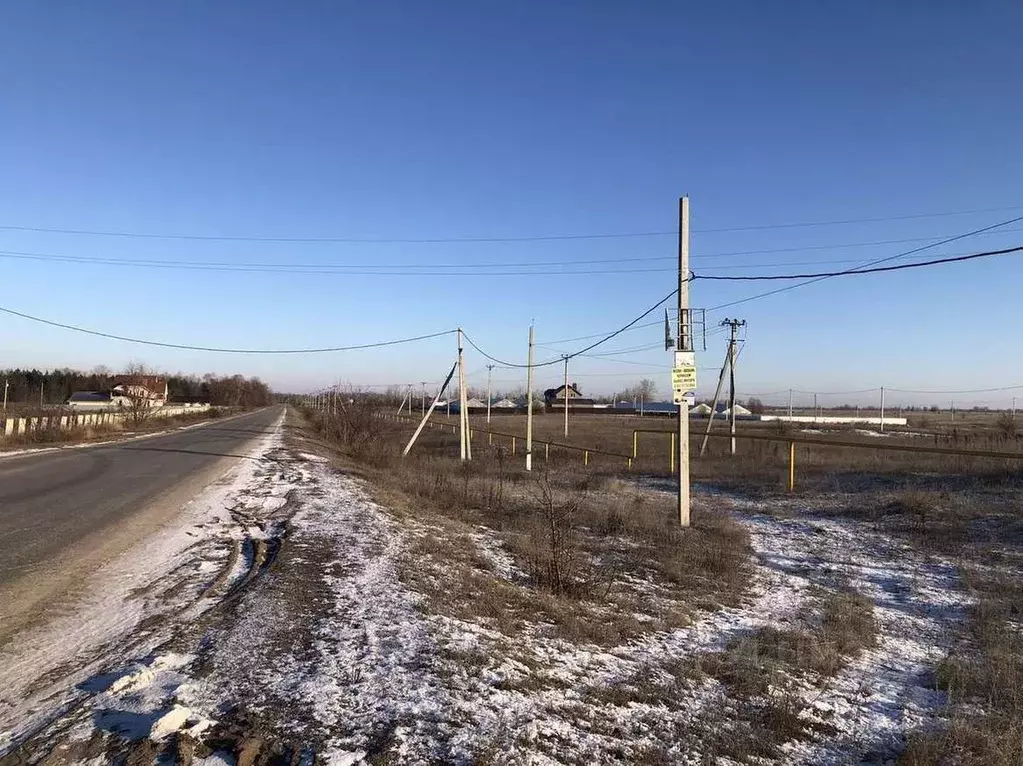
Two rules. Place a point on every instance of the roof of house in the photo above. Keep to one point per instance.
(552, 393)
(504, 403)
(89, 396)
(701, 409)
(155, 383)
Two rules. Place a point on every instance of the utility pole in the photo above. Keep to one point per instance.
(790, 404)
(462, 435)
(734, 325)
(423, 384)
(490, 374)
(882, 409)
(7, 384)
(685, 353)
(1012, 411)
(529, 402)
(565, 357)
(815, 408)
(717, 396)
(42, 386)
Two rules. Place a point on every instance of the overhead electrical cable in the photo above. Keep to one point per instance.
(850, 273)
(188, 347)
(869, 264)
(478, 240)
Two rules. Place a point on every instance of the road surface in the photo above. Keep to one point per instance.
(64, 512)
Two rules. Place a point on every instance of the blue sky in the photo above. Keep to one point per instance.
(412, 120)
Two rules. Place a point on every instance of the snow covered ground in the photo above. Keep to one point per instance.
(278, 616)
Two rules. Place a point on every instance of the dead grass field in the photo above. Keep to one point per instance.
(594, 559)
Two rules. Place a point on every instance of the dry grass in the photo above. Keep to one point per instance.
(984, 683)
(581, 539)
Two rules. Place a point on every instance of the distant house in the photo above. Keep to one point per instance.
(554, 398)
(151, 388)
(504, 404)
(95, 400)
(701, 409)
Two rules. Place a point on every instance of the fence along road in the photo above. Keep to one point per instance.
(63, 512)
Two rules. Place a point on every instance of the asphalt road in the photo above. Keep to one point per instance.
(51, 502)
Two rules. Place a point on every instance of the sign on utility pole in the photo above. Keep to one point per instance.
(684, 369)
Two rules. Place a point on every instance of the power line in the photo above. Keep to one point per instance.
(869, 263)
(561, 359)
(848, 273)
(961, 391)
(345, 268)
(188, 347)
(478, 240)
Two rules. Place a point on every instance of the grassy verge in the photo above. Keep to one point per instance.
(984, 682)
(586, 555)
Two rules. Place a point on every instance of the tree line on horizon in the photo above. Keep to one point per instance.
(56, 386)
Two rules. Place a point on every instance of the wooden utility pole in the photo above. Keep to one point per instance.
(490, 375)
(566, 394)
(529, 403)
(684, 349)
(734, 325)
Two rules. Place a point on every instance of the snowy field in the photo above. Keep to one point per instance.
(282, 618)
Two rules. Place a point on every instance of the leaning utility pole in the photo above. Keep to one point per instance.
(529, 403)
(734, 324)
(717, 396)
(565, 357)
(490, 374)
(685, 357)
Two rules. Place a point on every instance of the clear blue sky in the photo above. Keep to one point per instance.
(411, 120)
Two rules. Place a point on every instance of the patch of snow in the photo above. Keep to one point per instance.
(50, 669)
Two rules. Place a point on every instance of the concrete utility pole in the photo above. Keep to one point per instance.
(882, 409)
(790, 403)
(815, 408)
(1012, 411)
(7, 384)
(42, 385)
(423, 384)
(462, 435)
(565, 357)
(685, 350)
(734, 325)
(717, 396)
(529, 403)
(490, 375)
